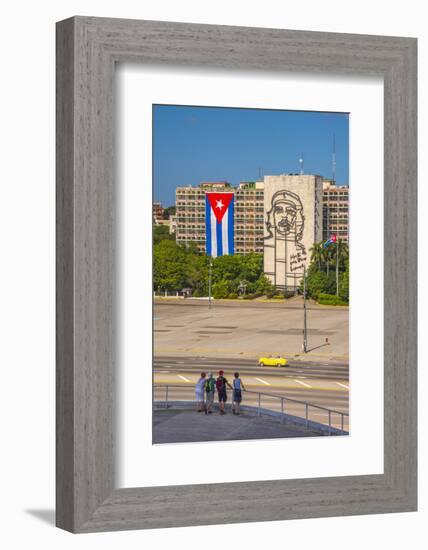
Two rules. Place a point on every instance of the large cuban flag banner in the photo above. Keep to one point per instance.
(219, 209)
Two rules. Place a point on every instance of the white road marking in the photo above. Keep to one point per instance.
(343, 385)
(180, 362)
(303, 383)
(183, 378)
(262, 381)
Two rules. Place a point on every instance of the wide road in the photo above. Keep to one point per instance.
(323, 384)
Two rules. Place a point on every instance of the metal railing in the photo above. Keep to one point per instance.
(283, 401)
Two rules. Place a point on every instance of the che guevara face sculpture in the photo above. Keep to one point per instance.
(286, 216)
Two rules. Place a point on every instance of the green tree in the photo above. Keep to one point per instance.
(236, 269)
(317, 282)
(168, 212)
(344, 283)
(317, 255)
(161, 233)
(228, 268)
(197, 273)
(343, 256)
(169, 266)
(321, 274)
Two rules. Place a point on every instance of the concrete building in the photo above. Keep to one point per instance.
(172, 224)
(293, 222)
(158, 213)
(335, 210)
(249, 215)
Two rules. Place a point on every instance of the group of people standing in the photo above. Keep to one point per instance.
(207, 386)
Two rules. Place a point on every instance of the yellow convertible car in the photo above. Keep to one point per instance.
(272, 361)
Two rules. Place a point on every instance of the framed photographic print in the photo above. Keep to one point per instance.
(236, 274)
(246, 246)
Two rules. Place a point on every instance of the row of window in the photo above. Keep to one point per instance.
(250, 235)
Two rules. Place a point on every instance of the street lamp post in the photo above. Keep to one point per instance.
(209, 282)
(305, 338)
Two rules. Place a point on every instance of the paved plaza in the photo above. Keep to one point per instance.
(250, 329)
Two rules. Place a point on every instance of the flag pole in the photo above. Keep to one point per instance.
(209, 282)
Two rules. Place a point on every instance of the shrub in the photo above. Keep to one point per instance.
(220, 290)
(318, 282)
(344, 284)
(233, 295)
(263, 285)
(198, 293)
(330, 300)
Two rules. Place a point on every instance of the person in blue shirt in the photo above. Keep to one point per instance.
(238, 386)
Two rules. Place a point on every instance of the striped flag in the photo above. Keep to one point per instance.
(331, 240)
(219, 208)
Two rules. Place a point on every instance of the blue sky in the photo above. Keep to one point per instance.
(194, 144)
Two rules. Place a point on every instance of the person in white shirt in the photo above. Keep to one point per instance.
(199, 392)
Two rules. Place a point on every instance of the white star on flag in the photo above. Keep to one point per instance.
(219, 204)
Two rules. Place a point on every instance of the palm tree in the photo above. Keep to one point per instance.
(343, 254)
(317, 254)
(325, 256)
(328, 255)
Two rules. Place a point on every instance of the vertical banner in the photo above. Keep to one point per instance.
(219, 231)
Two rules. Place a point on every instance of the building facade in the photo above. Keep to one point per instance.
(190, 212)
(293, 206)
(280, 217)
(249, 215)
(172, 224)
(335, 210)
(158, 211)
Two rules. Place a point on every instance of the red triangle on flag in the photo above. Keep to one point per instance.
(219, 203)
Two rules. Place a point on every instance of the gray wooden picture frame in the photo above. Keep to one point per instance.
(87, 50)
